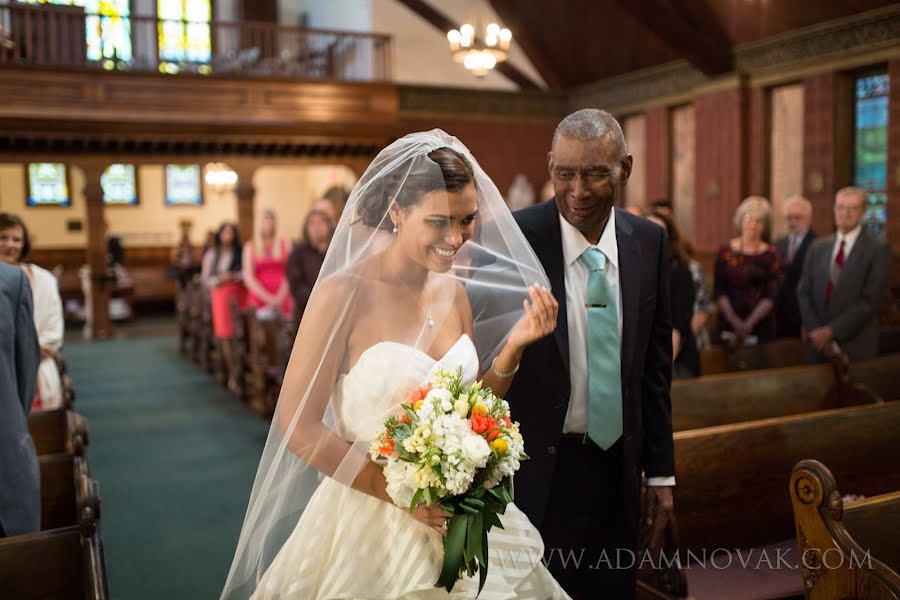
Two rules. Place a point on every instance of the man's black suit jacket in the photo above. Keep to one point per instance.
(539, 394)
(787, 310)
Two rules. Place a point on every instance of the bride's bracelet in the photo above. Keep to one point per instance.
(501, 374)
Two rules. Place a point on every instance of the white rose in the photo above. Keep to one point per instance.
(476, 450)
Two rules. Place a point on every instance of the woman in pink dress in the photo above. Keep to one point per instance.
(265, 259)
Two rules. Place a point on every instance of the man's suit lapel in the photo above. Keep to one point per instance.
(630, 280)
(551, 254)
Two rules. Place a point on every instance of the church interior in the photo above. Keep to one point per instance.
(143, 142)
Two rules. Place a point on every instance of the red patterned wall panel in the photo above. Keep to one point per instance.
(721, 149)
(503, 149)
(819, 108)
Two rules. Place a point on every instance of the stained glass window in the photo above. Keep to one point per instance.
(183, 185)
(870, 150)
(107, 25)
(48, 185)
(184, 34)
(119, 185)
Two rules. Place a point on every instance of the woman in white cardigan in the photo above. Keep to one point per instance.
(48, 310)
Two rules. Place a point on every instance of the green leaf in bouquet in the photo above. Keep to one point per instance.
(491, 519)
(475, 503)
(474, 547)
(454, 545)
(415, 499)
(410, 412)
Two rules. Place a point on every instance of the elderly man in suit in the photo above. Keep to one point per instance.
(20, 355)
(593, 399)
(791, 253)
(844, 279)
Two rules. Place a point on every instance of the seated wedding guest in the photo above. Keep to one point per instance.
(264, 265)
(15, 244)
(20, 483)
(305, 261)
(681, 286)
(221, 275)
(791, 253)
(747, 278)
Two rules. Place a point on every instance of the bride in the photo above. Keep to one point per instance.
(427, 269)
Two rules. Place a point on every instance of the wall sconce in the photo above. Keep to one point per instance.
(815, 182)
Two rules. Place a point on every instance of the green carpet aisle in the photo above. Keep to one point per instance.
(175, 456)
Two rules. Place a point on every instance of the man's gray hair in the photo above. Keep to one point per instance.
(804, 204)
(592, 124)
(850, 190)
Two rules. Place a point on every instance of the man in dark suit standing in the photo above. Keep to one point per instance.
(20, 355)
(791, 253)
(844, 280)
(593, 399)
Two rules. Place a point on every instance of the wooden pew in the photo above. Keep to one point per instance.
(850, 550)
(732, 478)
(778, 354)
(61, 563)
(59, 430)
(879, 376)
(737, 397)
(270, 343)
(68, 389)
(61, 497)
(240, 348)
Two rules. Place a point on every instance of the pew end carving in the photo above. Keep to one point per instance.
(835, 565)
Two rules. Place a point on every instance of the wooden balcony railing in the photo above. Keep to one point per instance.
(54, 36)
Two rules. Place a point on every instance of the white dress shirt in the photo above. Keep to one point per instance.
(576, 275)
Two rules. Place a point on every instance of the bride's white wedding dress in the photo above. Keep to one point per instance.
(350, 545)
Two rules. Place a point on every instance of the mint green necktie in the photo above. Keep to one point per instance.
(604, 357)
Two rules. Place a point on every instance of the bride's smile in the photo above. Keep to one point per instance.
(431, 231)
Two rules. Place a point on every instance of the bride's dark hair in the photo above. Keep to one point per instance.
(455, 168)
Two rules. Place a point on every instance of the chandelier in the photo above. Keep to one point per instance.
(479, 53)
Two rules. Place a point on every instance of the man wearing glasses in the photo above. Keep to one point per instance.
(844, 279)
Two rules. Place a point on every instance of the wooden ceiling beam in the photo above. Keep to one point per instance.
(510, 15)
(689, 28)
(444, 24)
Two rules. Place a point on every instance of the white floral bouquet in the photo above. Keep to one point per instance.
(455, 445)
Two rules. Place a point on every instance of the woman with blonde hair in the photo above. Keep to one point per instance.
(264, 268)
(747, 277)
